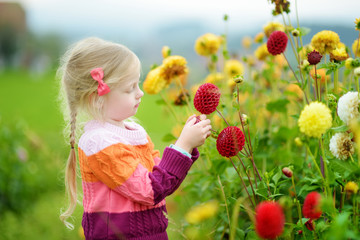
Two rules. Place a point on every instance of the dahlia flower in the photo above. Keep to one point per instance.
(207, 98)
(357, 24)
(315, 119)
(348, 63)
(233, 67)
(339, 53)
(173, 66)
(314, 57)
(269, 220)
(259, 37)
(262, 52)
(230, 141)
(311, 208)
(202, 212)
(214, 77)
(272, 27)
(207, 44)
(341, 145)
(325, 41)
(357, 72)
(154, 82)
(277, 42)
(348, 107)
(351, 187)
(246, 42)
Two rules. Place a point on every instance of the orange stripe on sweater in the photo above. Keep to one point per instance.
(115, 164)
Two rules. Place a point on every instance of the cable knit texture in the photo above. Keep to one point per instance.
(125, 182)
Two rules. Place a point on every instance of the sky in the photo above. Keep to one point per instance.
(145, 16)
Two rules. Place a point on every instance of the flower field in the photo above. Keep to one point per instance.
(283, 159)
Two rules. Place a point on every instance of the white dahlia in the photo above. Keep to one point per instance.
(341, 146)
(348, 107)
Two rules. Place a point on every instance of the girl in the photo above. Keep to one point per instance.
(124, 181)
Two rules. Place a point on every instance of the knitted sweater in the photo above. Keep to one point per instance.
(125, 182)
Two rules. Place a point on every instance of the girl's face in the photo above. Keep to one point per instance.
(123, 101)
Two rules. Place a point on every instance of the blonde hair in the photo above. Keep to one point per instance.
(77, 89)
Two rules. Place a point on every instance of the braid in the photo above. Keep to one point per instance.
(70, 174)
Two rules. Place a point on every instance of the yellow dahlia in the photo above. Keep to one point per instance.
(214, 77)
(154, 82)
(356, 46)
(246, 42)
(165, 51)
(357, 24)
(202, 212)
(351, 187)
(259, 37)
(262, 52)
(348, 63)
(272, 27)
(325, 41)
(315, 119)
(173, 66)
(339, 53)
(321, 74)
(233, 67)
(207, 44)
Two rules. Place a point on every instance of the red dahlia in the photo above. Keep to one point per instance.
(277, 42)
(207, 98)
(311, 208)
(314, 57)
(230, 141)
(270, 220)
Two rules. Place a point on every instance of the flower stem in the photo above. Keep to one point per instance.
(315, 163)
(223, 193)
(336, 80)
(222, 117)
(325, 166)
(297, 202)
(242, 181)
(251, 185)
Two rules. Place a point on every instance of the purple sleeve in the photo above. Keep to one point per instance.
(170, 173)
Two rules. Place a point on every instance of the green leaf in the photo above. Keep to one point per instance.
(342, 128)
(277, 105)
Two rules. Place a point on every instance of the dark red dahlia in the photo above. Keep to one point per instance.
(230, 141)
(311, 208)
(277, 42)
(314, 57)
(207, 98)
(270, 220)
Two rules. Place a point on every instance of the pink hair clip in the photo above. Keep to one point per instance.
(98, 75)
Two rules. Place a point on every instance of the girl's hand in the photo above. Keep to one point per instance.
(194, 135)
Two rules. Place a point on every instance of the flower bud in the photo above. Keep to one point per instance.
(165, 51)
(244, 119)
(304, 64)
(298, 142)
(238, 79)
(348, 63)
(287, 172)
(314, 57)
(295, 33)
(357, 72)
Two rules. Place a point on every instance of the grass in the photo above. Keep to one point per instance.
(32, 99)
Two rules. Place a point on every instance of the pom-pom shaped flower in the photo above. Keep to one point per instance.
(259, 37)
(325, 41)
(272, 27)
(348, 63)
(262, 52)
(314, 57)
(348, 107)
(339, 53)
(311, 208)
(277, 42)
(270, 220)
(154, 82)
(207, 98)
(315, 119)
(233, 67)
(357, 24)
(341, 146)
(230, 141)
(173, 66)
(207, 44)
(320, 74)
(214, 77)
(351, 187)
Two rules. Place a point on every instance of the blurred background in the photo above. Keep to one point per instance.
(34, 34)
